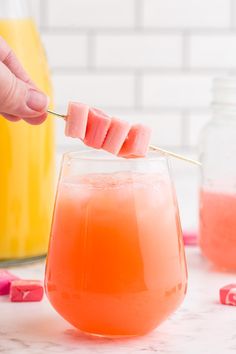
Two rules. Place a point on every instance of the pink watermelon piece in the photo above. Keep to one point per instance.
(76, 121)
(97, 128)
(26, 290)
(5, 281)
(228, 295)
(116, 135)
(137, 142)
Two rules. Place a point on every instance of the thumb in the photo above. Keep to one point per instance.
(18, 98)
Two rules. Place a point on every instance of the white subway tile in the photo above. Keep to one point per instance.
(186, 13)
(196, 123)
(66, 50)
(213, 51)
(233, 13)
(35, 10)
(91, 13)
(182, 91)
(138, 51)
(109, 90)
(166, 127)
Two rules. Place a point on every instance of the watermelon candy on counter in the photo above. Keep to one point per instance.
(5, 281)
(26, 290)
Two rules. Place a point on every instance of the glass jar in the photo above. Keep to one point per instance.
(218, 182)
(26, 151)
(116, 263)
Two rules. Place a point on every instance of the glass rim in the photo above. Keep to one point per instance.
(96, 155)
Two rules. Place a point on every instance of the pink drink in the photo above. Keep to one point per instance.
(218, 228)
(116, 262)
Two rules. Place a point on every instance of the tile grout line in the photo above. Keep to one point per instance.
(91, 50)
(137, 90)
(186, 51)
(185, 128)
(160, 71)
(43, 14)
(231, 15)
(142, 31)
(138, 14)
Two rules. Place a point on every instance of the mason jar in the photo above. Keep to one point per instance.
(217, 235)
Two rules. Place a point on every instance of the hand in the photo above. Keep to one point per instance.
(19, 97)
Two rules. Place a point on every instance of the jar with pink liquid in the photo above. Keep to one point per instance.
(218, 178)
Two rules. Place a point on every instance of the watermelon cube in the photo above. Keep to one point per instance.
(76, 121)
(97, 128)
(116, 136)
(137, 142)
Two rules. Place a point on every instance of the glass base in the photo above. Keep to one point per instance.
(5, 263)
(94, 335)
(77, 333)
(111, 336)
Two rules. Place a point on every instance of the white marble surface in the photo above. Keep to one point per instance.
(200, 325)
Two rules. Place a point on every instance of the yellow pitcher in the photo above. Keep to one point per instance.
(26, 151)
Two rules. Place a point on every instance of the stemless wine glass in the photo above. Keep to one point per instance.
(116, 263)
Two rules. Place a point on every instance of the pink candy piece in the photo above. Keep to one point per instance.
(5, 281)
(76, 121)
(228, 295)
(190, 239)
(97, 128)
(26, 290)
(137, 141)
(116, 136)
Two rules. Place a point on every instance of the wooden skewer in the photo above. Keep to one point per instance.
(173, 154)
(151, 147)
(56, 114)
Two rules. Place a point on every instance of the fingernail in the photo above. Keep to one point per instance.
(37, 101)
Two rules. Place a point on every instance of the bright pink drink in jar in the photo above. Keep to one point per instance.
(218, 228)
(218, 185)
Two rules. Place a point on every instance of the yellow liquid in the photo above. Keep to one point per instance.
(26, 158)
